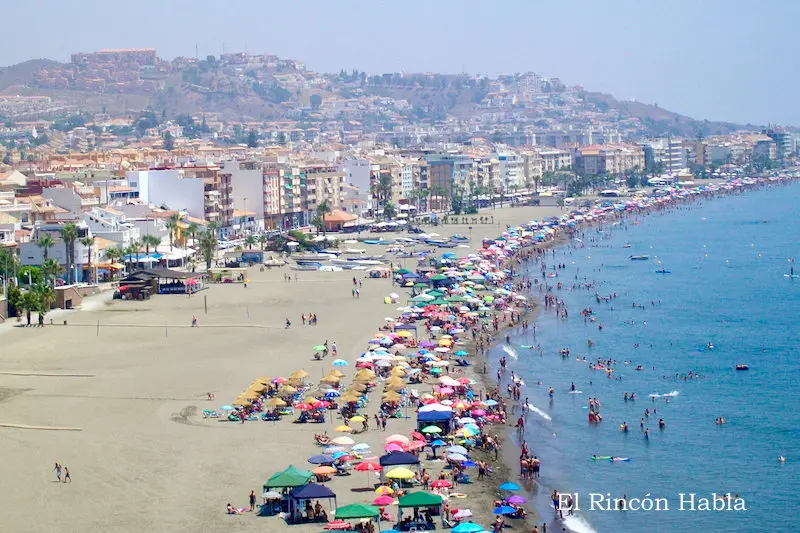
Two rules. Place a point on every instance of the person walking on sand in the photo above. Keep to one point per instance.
(66, 475)
(57, 470)
(252, 500)
(194, 321)
(288, 323)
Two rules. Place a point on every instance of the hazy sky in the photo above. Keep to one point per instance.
(717, 59)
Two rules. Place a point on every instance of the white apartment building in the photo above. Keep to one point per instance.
(111, 225)
(247, 185)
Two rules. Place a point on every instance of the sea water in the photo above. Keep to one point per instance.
(727, 258)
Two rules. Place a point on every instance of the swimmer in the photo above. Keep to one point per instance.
(550, 392)
(624, 427)
(572, 387)
(781, 459)
(661, 424)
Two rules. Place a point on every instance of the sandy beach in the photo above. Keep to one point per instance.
(145, 458)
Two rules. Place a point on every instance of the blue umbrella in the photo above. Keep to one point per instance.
(509, 486)
(437, 443)
(461, 353)
(504, 509)
(469, 464)
(467, 527)
(340, 454)
(340, 362)
(491, 403)
(322, 460)
(332, 394)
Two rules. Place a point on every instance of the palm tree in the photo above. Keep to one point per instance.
(51, 269)
(69, 234)
(30, 302)
(250, 240)
(323, 209)
(46, 242)
(208, 246)
(263, 239)
(150, 240)
(172, 227)
(88, 242)
(133, 250)
(115, 254)
(192, 229)
(46, 296)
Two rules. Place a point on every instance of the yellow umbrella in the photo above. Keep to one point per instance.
(404, 333)
(400, 473)
(299, 374)
(330, 379)
(286, 390)
(397, 372)
(336, 373)
(365, 373)
(383, 490)
(395, 380)
(323, 470)
(360, 387)
(249, 395)
(350, 397)
(264, 379)
(445, 342)
(295, 382)
(394, 387)
(343, 429)
(258, 387)
(242, 403)
(358, 418)
(446, 337)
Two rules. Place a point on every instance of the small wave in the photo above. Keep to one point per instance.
(539, 412)
(510, 351)
(578, 524)
(666, 395)
(575, 392)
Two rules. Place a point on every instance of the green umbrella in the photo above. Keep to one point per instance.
(438, 301)
(438, 277)
(431, 429)
(402, 271)
(319, 348)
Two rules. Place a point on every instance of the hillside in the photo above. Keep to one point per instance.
(22, 73)
(659, 121)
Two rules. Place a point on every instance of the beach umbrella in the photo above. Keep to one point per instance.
(504, 509)
(275, 402)
(442, 484)
(457, 449)
(242, 403)
(340, 362)
(343, 441)
(457, 457)
(469, 464)
(383, 490)
(467, 527)
(478, 412)
(367, 466)
(508, 485)
(320, 348)
(431, 429)
(298, 374)
(516, 500)
(400, 473)
(339, 455)
(358, 418)
(462, 514)
(383, 500)
(324, 470)
(279, 381)
(272, 495)
(286, 390)
(321, 459)
(391, 396)
(397, 438)
(361, 447)
(437, 443)
(321, 404)
(415, 445)
(393, 447)
(343, 429)
(304, 406)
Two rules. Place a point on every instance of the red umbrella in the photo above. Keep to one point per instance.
(417, 435)
(366, 466)
(441, 484)
(383, 500)
(322, 404)
(304, 406)
(415, 445)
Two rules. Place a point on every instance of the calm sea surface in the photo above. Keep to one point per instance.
(727, 259)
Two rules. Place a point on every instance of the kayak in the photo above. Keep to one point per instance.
(601, 458)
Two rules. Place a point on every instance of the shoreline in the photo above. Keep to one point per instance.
(538, 491)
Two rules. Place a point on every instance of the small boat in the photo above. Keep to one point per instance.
(626, 245)
(741, 366)
(640, 257)
(662, 271)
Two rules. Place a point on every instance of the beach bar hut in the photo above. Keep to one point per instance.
(308, 493)
(290, 478)
(430, 503)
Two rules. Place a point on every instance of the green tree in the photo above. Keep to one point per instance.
(148, 241)
(389, 211)
(172, 225)
(51, 269)
(316, 101)
(8, 263)
(262, 240)
(88, 242)
(252, 139)
(30, 275)
(192, 230)
(46, 297)
(323, 209)
(169, 142)
(250, 240)
(46, 242)
(30, 302)
(69, 234)
(208, 246)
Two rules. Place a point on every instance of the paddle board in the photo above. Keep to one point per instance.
(792, 276)
(600, 458)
